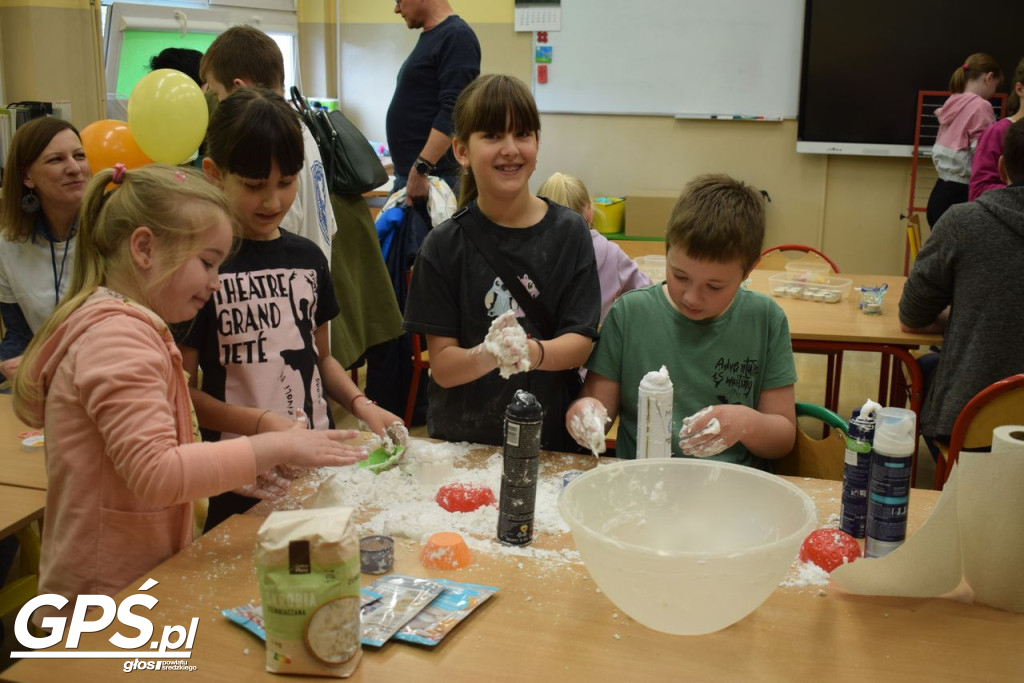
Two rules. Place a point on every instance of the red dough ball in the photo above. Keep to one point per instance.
(829, 548)
(464, 497)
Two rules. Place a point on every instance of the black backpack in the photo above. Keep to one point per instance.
(351, 164)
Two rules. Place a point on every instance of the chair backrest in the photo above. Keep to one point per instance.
(1000, 403)
(817, 458)
(776, 258)
(913, 238)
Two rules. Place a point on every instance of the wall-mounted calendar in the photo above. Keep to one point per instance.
(538, 15)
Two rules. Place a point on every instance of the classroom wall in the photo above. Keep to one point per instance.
(51, 52)
(848, 206)
(318, 48)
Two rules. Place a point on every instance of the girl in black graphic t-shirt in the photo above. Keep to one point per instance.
(455, 294)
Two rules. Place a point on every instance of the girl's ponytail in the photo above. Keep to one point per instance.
(467, 187)
(1013, 100)
(975, 66)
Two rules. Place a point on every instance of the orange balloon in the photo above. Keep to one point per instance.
(108, 142)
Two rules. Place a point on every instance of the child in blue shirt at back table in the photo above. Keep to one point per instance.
(727, 349)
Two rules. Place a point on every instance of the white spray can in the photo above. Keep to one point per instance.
(892, 456)
(654, 416)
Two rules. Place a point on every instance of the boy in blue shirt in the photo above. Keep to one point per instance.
(727, 349)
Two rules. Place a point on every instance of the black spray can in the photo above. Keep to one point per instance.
(853, 517)
(521, 464)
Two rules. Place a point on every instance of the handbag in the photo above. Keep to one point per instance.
(535, 309)
(350, 163)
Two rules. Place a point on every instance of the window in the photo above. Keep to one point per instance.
(133, 33)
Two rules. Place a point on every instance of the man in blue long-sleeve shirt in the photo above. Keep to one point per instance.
(419, 122)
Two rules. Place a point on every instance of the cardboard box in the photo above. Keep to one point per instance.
(647, 213)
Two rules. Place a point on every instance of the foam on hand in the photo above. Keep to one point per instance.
(588, 426)
(712, 428)
(508, 343)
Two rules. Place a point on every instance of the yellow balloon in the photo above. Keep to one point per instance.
(167, 115)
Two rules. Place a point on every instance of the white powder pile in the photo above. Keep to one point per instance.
(396, 503)
(804, 574)
(507, 342)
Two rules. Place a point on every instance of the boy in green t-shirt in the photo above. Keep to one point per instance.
(726, 349)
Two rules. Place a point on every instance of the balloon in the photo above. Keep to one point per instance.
(167, 114)
(108, 142)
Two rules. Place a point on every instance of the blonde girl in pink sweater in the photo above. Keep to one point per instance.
(104, 379)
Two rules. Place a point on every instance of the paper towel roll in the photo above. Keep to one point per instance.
(1008, 439)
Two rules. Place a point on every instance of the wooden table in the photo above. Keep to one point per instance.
(19, 507)
(549, 623)
(18, 468)
(637, 248)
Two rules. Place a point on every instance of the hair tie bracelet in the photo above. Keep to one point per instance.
(352, 403)
(541, 359)
(119, 171)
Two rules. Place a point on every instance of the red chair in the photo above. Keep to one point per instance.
(420, 362)
(776, 258)
(1000, 403)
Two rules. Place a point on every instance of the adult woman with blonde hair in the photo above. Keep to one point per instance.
(44, 182)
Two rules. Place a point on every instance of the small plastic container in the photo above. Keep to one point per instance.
(653, 267)
(824, 289)
(609, 214)
(871, 300)
(446, 550)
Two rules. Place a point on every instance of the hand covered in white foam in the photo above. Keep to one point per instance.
(509, 345)
(586, 421)
(710, 431)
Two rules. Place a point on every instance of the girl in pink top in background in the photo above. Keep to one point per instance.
(616, 271)
(104, 379)
(962, 119)
(985, 164)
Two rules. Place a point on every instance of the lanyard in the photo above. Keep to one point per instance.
(58, 278)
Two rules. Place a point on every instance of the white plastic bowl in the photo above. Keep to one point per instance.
(686, 546)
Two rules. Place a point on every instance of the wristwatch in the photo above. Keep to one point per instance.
(423, 166)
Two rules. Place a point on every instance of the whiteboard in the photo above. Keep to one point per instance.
(674, 57)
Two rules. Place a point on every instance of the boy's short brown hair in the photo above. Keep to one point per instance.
(246, 53)
(718, 218)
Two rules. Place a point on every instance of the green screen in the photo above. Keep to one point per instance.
(138, 47)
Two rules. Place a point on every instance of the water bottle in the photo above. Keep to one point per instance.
(853, 516)
(892, 456)
(520, 466)
(654, 416)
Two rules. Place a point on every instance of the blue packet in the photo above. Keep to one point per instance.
(437, 619)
